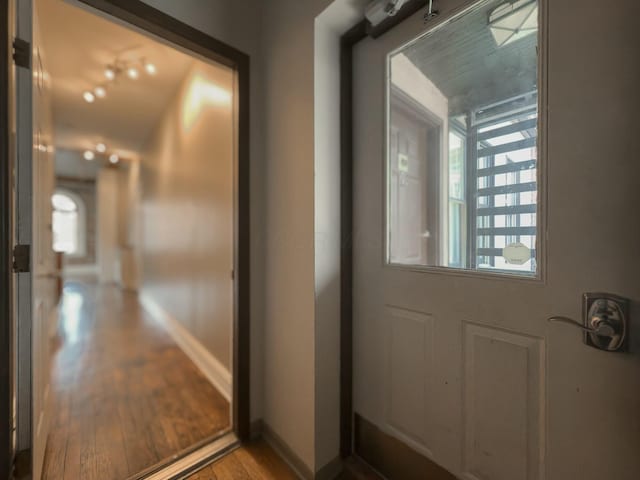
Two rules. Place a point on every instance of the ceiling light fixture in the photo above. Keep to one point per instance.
(113, 158)
(150, 68)
(132, 73)
(117, 68)
(110, 73)
(101, 148)
(89, 155)
(513, 20)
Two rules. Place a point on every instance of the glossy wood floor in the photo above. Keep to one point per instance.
(257, 461)
(125, 396)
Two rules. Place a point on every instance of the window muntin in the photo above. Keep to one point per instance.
(464, 192)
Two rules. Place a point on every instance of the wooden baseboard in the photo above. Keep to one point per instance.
(392, 458)
(209, 365)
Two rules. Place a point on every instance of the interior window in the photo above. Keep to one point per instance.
(65, 225)
(462, 143)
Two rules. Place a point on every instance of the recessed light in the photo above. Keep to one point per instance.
(100, 92)
(101, 148)
(89, 155)
(150, 68)
(114, 159)
(88, 97)
(133, 73)
(110, 73)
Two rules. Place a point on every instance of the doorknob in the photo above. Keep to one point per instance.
(605, 321)
(604, 328)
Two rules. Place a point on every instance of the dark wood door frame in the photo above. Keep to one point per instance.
(159, 24)
(347, 42)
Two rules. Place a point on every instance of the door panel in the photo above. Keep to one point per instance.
(474, 377)
(410, 339)
(24, 231)
(504, 376)
(36, 296)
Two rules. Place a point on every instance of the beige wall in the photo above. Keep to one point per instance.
(129, 228)
(327, 244)
(289, 240)
(187, 209)
(294, 325)
(301, 60)
(238, 23)
(108, 225)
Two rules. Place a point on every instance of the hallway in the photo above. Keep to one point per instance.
(125, 396)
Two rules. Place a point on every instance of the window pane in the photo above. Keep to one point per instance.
(65, 231)
(462, 142)
(65, 224)
(63, 203)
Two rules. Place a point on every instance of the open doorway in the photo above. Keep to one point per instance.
(139, 253)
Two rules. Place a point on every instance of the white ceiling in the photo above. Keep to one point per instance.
(77, 47)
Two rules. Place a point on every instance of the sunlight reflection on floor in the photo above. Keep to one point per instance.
(71, 310)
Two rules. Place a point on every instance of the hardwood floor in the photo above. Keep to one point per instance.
(125, 396)
(258, 461)
(254, 461)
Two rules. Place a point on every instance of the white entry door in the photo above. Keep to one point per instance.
(496, 181)
(35, 286)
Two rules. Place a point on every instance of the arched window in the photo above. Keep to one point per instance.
(68, 223)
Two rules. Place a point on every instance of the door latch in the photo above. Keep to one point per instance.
(605, 321)
(22, 258)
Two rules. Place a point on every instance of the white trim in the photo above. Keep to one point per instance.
(80, 269)
(213, 451)
(210, 366)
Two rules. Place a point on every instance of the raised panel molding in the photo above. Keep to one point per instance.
(410, 364)
(504, 405)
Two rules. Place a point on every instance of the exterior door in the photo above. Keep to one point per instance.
(495, 183)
